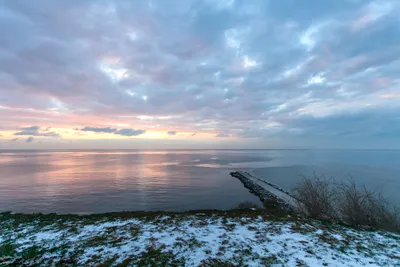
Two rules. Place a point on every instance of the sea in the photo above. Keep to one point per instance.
(84, 182)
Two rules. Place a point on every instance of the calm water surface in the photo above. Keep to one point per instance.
(104, 181)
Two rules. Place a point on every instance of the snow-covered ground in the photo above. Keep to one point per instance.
(191, 240)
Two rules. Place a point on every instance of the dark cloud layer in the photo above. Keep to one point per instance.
(254, 69)
(98, 130)
(171, 132)
(129, 132)
(123, 132)
(31, 128)
(34, 131)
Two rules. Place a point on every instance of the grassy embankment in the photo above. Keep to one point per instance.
(199, 238)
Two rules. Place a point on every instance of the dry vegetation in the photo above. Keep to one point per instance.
(346, 202)
(246, 205)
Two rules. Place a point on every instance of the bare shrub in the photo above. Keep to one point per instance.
(321, 198)
(317, 196)
(246, 205)
(364, 207)
(271, 204)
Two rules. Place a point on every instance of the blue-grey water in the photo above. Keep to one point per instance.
(176, 180)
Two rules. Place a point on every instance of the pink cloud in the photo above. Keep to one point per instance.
(388, 96)
(361, 22)
(112, 59)
(381, 82)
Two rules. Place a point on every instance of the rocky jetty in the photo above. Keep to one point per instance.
(271, 184)
(267, 197)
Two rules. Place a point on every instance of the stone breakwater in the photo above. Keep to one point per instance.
(270, 194)
(273, 185)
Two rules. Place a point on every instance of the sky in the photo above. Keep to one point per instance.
(199, 74)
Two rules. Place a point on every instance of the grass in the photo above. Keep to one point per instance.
(7, 250)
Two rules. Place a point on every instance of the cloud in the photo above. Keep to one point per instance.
(26, 133)
(193, 134)
(34, 131)
(98, 130)
(31, 128)
(234, 67)
(222, 135)
(14, 139)
(123, 132)
(171, 132)
(129, 132)
(29, 139)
